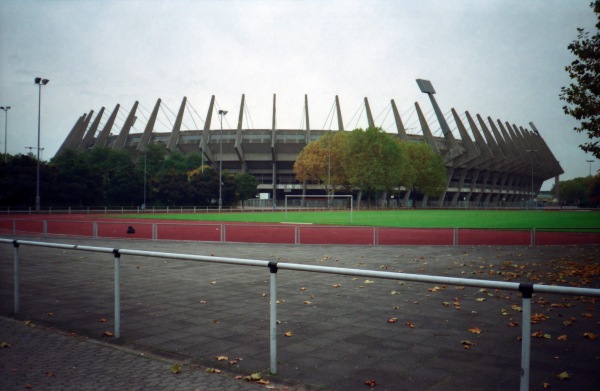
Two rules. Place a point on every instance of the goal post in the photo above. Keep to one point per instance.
(323, 202)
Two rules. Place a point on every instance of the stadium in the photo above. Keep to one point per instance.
(489, 163)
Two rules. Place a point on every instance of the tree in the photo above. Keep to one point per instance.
(204, 185)
(78, 182)
(323, 161)
(575, 191)
(424, 169)
(583, 94)
(374, 161)
(246, 186)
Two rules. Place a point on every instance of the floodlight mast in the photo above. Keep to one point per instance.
(221, 114)
(40, 82)
(5, 109)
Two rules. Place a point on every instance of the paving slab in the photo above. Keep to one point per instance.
(345, 330)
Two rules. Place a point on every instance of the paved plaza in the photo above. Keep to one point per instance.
(334, 332)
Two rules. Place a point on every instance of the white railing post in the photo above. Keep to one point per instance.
(16, 276)
(273, 318)
(526, 291)
(117, 293)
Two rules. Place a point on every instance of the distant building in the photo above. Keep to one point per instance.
(493, 164)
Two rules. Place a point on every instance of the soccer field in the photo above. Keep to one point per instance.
(404, 218)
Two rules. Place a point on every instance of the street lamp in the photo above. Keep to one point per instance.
(221, 113)
(589, 161)
(5, 108)
(40, 82)
(329, 170)
(531, 151)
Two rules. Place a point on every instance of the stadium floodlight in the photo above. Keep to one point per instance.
(425, 86)
(589, 161)
(221, 114)
(5, 108)
(40, 82)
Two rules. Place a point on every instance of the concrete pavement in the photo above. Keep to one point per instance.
(347, 333)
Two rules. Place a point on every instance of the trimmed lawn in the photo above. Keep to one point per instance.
(404, 218)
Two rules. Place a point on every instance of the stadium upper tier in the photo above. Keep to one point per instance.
(489, 162)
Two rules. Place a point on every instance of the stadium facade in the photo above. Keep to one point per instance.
(489, 163)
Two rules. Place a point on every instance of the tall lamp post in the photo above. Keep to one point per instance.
(221, 114)
(40, 82)
(531, 198)
(589, 161)
(6, 108)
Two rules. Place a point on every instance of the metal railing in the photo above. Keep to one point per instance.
(526, 289)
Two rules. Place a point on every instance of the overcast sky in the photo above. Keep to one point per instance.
(499, 58)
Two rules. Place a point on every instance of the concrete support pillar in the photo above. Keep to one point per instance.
(66, 144)
(239, 150)
(174, 136)
(339, 113)
(145, 139)
(89, 136)
(103, 136)
(204, 141)
(399, 125)
(122, 138)
(369, 115)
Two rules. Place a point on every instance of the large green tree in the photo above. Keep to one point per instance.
(374, 162)
(424, 169)
(583, 94)
(246, 186)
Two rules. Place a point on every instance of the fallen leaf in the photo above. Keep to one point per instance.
(336, 285)
(392, 320)
(512, 324)
(307, 302)
(480, 299)
(410, 324)
(49, 374)
(590, 335)
(446, 304)
(176, 368)
(202, 301)
(222, 358)
(546, 386)
(264, 382)
(4, 345)
(253, 377)
(50, 314)
(504, 312)
(467, 344)
(371, 383)
(213, 370)
(563, 376)
(288, 333)
(108, 334)
(587, 315)
(434, 289)
(369, 282)
(213, 283)
(394, 293)
(102, 320)
(475, 330)
(563, 337)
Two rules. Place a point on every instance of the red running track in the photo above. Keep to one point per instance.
(101, 227)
